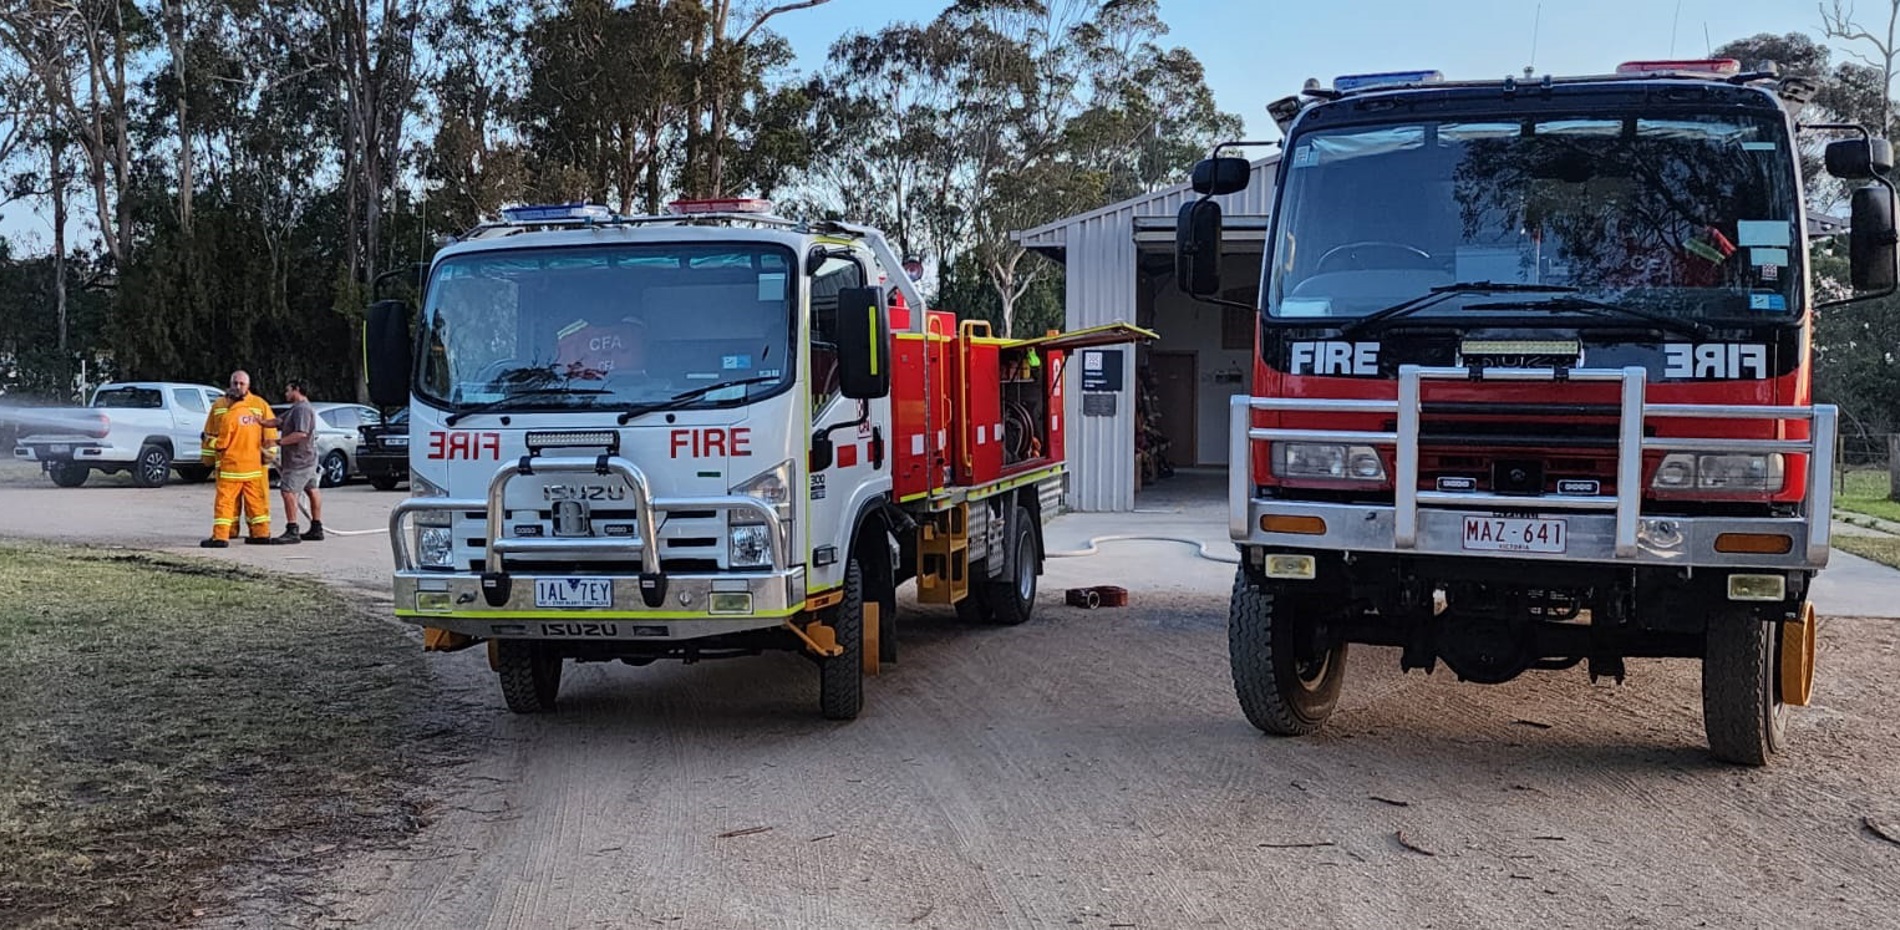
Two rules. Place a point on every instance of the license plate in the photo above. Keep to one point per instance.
(59, 448)
(402, 441)
(573, 592)
(1514, 534)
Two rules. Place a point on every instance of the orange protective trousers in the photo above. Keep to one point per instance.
(255, 495)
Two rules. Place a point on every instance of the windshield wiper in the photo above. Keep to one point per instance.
(1444, 292)
(486, 406)
(640, 410)
(1681, 327)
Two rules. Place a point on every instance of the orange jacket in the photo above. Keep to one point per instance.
(235, 439)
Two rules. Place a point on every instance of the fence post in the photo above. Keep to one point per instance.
(1893, 466)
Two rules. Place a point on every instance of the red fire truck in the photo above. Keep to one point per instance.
(705, 434)
(1532, 383)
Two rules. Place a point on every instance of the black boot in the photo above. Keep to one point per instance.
(213, 543)
(316, 531)
(290, 535)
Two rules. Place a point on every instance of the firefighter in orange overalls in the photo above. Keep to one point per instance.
(240, 445)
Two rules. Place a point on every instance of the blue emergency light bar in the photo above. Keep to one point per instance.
(1350, 82)
(576, 212)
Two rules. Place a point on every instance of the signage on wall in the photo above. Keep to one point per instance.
(1102, 370)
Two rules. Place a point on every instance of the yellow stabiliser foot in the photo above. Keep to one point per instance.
(820, 638)
(439, 640)
(870, 639)
(1797, 658)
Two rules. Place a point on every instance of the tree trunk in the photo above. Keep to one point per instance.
(1893, 467)
(174, 18)
(57, 147)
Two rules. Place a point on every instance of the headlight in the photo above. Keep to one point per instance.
(435, 546)
(774, 487)
(1682, 470)
(1324, 460)
(751, 546)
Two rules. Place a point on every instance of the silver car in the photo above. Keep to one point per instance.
(337, 437)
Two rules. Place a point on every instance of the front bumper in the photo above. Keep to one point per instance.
(1604, 529)
(381, 464)
(686, 614)
(502, 600)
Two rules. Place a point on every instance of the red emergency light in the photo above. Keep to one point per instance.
(1724, 67)
(720, 205)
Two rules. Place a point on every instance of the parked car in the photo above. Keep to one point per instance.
(148, 428)
(337, 426)
(382, 455)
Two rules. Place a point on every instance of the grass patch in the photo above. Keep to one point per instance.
(1882, 549)
(163, 718)
(1866, 492)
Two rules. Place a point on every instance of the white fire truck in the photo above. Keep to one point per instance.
(705, 434)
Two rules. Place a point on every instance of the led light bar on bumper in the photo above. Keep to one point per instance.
(1684, 471)
(1327, 461)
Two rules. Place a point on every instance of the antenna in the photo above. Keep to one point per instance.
(1537, 24)
(1706, 41)
(1672, 28)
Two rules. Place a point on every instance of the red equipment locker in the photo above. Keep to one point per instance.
(922, 382)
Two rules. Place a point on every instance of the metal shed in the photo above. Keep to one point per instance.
(1120, 269)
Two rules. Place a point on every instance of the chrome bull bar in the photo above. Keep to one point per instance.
(1634, 412)
(646, 507)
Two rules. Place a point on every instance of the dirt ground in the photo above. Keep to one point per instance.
(1090, 769)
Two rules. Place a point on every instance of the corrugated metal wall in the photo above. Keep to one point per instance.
(1100, 250)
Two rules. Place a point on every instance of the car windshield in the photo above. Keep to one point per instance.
(1693, 215)
(617, 325)
(135, 398)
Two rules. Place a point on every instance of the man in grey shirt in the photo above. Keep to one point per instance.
(298, 472)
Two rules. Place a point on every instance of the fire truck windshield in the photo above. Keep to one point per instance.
(606, 326)
(1693, 216)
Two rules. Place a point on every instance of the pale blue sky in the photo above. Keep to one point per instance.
(1259, 50)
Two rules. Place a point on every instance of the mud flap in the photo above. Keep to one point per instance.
(1797, 658)
(435, 639)
(870, 637)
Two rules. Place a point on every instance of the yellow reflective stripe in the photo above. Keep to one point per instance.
(263, 519)
(872, 311)
(224, 521)
(240, 475)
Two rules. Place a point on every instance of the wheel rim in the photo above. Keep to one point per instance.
(155, 466)
(1311, 672)
(1025, 572)
(335, 466)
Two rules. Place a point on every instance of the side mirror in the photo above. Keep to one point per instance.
(1197, 236)
(1859, 159)
(387, 352)
(821, 452)
(1871, 238)
(864, 344)
(1216, 176)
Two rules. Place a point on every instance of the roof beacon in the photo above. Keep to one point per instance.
(576, 212)
(1351, 82)
(720, 205)
(1722, 67)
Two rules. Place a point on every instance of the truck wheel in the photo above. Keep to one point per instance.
(67, 474)
(333, 471)
(154, 467)
(1010, 601)
(1283, 686)
(530, 675)
(193, 474)
(384, 482)
(1742, 709)
(841, 677)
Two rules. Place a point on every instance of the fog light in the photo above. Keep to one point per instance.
(1757, 587)
(435, 602)
(728, 602)
(1303, 526)
(1294, 567)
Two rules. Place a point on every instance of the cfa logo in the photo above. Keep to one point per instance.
(1333, 358)
(606, 343)
(1714, 360)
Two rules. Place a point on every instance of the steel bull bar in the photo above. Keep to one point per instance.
(1603, 528)
(777, 586)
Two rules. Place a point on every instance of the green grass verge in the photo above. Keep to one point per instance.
(1882, 549)
(1866, 492)
(164, 718)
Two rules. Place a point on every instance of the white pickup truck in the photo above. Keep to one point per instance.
(149, 428)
